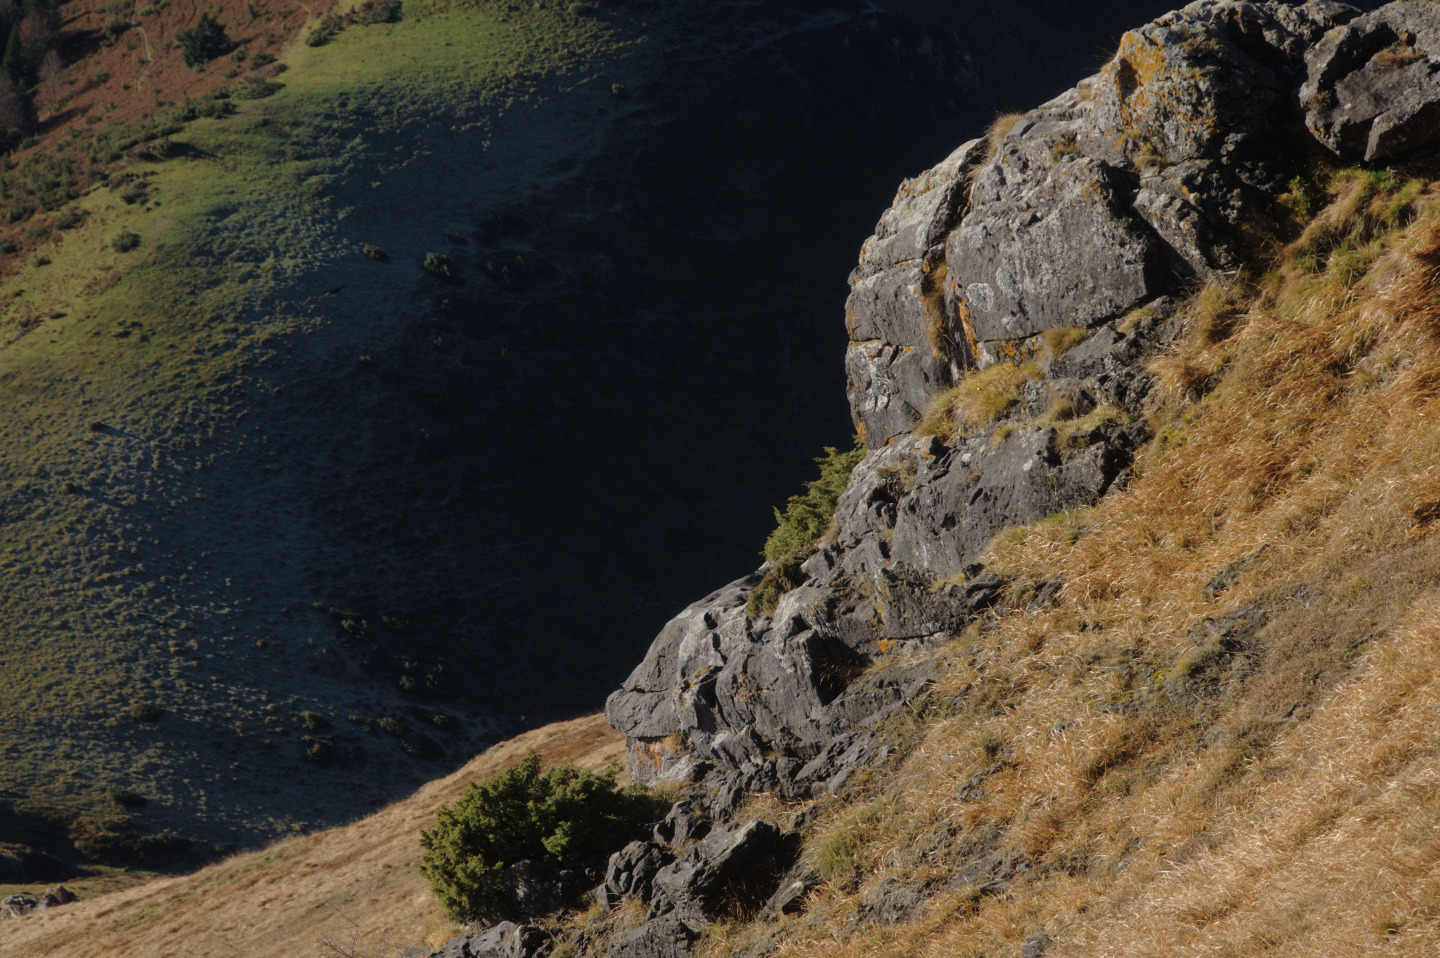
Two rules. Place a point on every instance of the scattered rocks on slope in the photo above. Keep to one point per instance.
(17, 906)
(505, 940)
(667, 937)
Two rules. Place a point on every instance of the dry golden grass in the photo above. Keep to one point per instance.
(980, 399)
(1000, 127)
(281, 901)
(1151, 787)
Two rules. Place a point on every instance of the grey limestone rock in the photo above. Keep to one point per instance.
(1035, 946)
(1046, 247)
(892, 365)
(890, 902)
(631, 870)
(17, 906)
(1372, 85)
(665, 937)
(977, 491)
(505, 940)
(742, 861)
(682, 825)
(924, 210)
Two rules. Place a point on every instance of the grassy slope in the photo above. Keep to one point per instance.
(281, 901)
(155, 368)
(1132, 782)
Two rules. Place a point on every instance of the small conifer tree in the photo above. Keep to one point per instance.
(558, 816)
(203, 42)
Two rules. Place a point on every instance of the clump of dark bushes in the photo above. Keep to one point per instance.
(559, 817)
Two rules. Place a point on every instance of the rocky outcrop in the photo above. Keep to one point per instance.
(505, 940)
(1130, 186)
(787, 700)
(1097, 212)
(1372, 86)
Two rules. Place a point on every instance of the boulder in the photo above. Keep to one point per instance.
(731, 863)
(682, 826)
(17, 906)
(1372, 85)
(631, 870)
(505, 940)
(57, 895)
(1213, 80)
(664, 937)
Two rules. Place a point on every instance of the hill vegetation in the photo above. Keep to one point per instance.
(1215, 739)
(355, 887)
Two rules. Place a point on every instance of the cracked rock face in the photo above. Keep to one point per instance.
(1372, 86)
(758, 702)
(1050, 245)
(1128, 187)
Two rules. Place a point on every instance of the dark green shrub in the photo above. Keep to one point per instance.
(438, 264)
(375, 253)
(807, 516)
(559, 816)
(125, 241)
(256, 89)
(326, 30)
(7, 247)
(203, 42)
(134, 192)
(69, 219)
(779, 579)
(261, 58)
(126, 798)
(145, 712)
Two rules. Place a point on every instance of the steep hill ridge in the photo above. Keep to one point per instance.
(1181, 321)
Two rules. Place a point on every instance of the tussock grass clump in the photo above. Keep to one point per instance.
(979, 400)
(1061, 339)
(1366, 207)
(1000, 127)
(938, 334)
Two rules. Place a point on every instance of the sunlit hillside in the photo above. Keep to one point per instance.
(355, 886)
